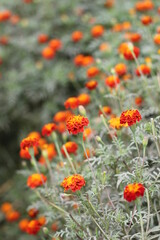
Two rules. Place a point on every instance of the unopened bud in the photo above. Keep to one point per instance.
(82, 110)
(113, 71)
(130, 46)
(98, 139)
(145, 141)
(45, 230)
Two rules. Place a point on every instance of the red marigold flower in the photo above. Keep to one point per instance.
(106, 109)
(48, 53)
(33, 212)
(144, 69)
(12, 216)
(120, 69)
(84, 99)
(128, 53)
(24, 153)
(29, 142)
(33, 227)
(146, 20)
(92, 72)
(72, 103)
(130, 117)
(87, 60)
(78, 60)
(48, 129)
(42, 220)
(77, 36)
(73, 183)
(76, 124)
(55, 44)
(112, 81)
(36, 180)
(91, 85)
(138, 101)
(97, 31)
(133, 191)
(42, 38)
(5, 15)
(157, 39)
(71, 147)
(133, 37)
(23, 225)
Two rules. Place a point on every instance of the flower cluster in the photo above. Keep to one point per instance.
(73, 183)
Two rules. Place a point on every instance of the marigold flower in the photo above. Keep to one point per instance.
(54, 226)
(23, 225)
(133, 191)
(4, 40)
(55, 44)
(5, 15)
(112, 81)
(120, 69)
(29, 142)
(77, 36)
(138, 101)
(129, 54)
(92, 72)
(144, 69)
(97, 31)
(61, 116)
(73, 183)
(87, 60)
(106, 109)
(6, 207)
(157, 39)
(12, 216)
(146, 20)
(91, 85)
(24, 153)
(87, 133)
(71, 147)
(48, 53)
(48, 129)
(133, 37)
(42, 141)
(34, 135)
(78, 60)
(42, 38)
(72, 103)
(33, 227)
(84, 99)
(32, 212)
(122, 47)
(145, 5)
(61, 127)
(115, 123)
(42, 221)
(109, 3)
(130, 117)
(50, 149)
(36, 180)
(76, 124)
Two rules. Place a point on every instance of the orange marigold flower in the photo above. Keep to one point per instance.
(33, 227)
(157, 39)
(106, 109)
(133, 37)
(42, 221)
(5, 15)
(144, 69)
(71, 147)
(77, 36)
(78, 60)
(23, 225)
(34, 135)
(55, 44)
(87, 60)
(97, 31)
(12, 216)
(115, 123)
(51, 151)
(29, 142)
(87, 133)
(109, 3)
(24, 153)
(6, 207)
(146, 20)
(112, 81)
(133, 190)
(61, 127)
(138, 101)
(42, 38)
(36, 180)
(61, 116)
(76, 124)
(48, 53)
(91, 85)
(130, 117)
(72, 103)
(92, 72)
(42, 141)
(145, 5)
(48, 129)
(73, 183)
(33, 212)
(84, 99)
(120, 69)
(122, 47)
(129, 54)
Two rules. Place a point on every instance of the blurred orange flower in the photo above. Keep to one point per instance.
(36, 180)
(73, 183)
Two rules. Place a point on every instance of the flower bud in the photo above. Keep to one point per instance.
(82, 110)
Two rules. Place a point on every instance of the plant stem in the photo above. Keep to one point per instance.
(101, 230)
(69, 159)
(141, 220)
(148, 216)
(54, 137)
(155, 136)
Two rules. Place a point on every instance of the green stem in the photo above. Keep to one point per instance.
(148, 216)
(155, 136)
(101, 230)
(54, 137)
(141, 220)
(69, 159)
